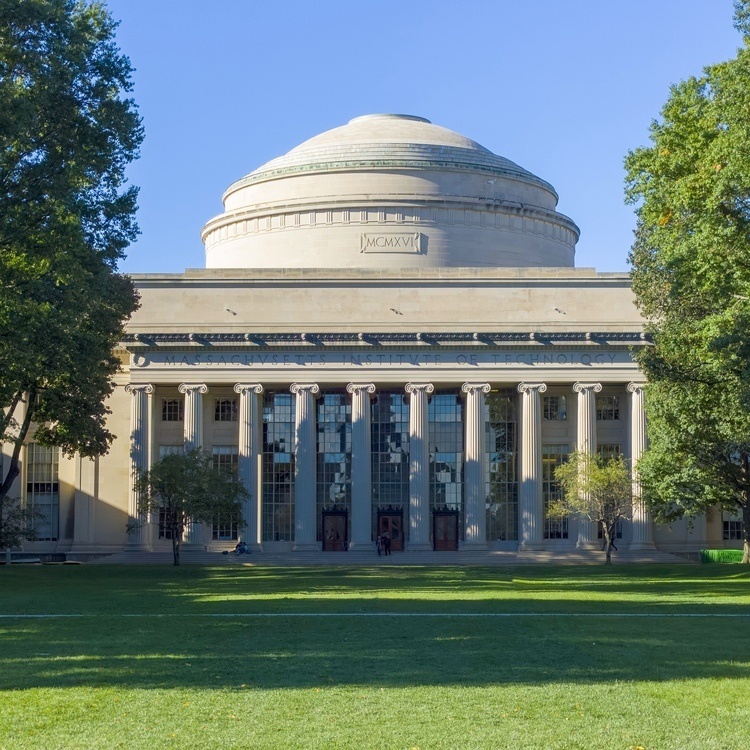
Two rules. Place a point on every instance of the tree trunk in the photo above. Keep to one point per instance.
(746, 533)
(608, 533)
(176, 548)
(13, 470)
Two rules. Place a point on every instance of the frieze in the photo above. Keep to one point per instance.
(358, 360)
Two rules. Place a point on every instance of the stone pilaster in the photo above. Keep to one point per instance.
(361, 464)
(193, 436)
(530, 500)
(193, 414)
(304, 464)
(139, 460)
(419, 465)
(586, 443)
(641, 524)
(249, 456)
(475, 472)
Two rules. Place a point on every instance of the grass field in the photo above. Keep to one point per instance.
(652, 657)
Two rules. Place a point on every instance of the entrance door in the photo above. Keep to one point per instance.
(392, 523)
(335, 538)
(445, 530)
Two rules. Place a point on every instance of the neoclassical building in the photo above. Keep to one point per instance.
(390, 336)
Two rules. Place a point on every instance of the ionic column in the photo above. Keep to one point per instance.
(586, 443)
(530, 499)
(193, 414)
(249, 455)
(139, 460)
(304, 465)
(361, 464)
(641, 523)
(193, 436)
(419, 465)
(475, 479)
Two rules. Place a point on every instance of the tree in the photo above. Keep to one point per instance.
(16, 523)
(691, 279)
(67, 132)
(598, 489)
(186, 487)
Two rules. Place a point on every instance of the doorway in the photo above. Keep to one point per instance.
(391, 522)
(445, 530)
(335, 537)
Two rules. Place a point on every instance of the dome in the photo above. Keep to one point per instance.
(389, 191)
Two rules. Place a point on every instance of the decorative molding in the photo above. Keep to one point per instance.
(254, 387)
(313, 388)
(139, 388)
(471, 387)
(354, 387)
(528, 387)
(635, 387)
(199, 387)
(580, 387)
(416, 387)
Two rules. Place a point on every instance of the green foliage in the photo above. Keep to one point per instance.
(721, 555)
(188, 487)
(16, 522)
(598, 489)
(691, 278)
(66, 135)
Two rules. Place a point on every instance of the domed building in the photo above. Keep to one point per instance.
(390, 337)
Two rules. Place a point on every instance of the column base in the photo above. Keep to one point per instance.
(642, 547)
(473, 546)
(137, 547)
(421, 547)
(362, 546)
(531, 546)
(306, 547)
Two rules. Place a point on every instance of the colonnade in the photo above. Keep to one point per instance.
(531, 504)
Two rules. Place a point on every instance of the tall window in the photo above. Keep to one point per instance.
(226, 458)
(334, 452)
(225, 410)
(552, 457)
(278, 467)
(554, 408)
(607, 408)
(43, 489)
(502, 461)
(390, 454)
(446, 453)
(172, 410)
(732, 528)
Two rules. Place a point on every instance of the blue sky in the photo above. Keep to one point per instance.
(562, 87)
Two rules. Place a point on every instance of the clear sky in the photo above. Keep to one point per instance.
(562, 87)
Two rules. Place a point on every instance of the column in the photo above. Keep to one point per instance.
(475, 474)
(530, 500)
(641, 523)
(249, 456)
(139, 452)
(419, 465)
(586, 443)
(361, 465)
(304, 466)
(193, 414)
(193, 436)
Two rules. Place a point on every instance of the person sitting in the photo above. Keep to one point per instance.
(241, 548)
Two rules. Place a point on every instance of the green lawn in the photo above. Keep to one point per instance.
(654, 657)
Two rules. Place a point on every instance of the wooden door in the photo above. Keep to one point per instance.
(445, 530)
(392, 524)
(335, 537)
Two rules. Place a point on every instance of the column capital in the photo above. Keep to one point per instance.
(296, 388)
(196, 387)
(635, 387)
(139, 388)
(474, 387)
(581, 387)
(243, 387)
(357, 387)
(417, 387)
(527, 387)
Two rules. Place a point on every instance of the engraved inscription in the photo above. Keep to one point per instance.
(391, 242)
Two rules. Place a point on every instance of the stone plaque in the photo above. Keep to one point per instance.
(391, 242)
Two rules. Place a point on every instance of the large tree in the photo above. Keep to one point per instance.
(691, 278)
(187, 488)
(597, 488)
(67, 133)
